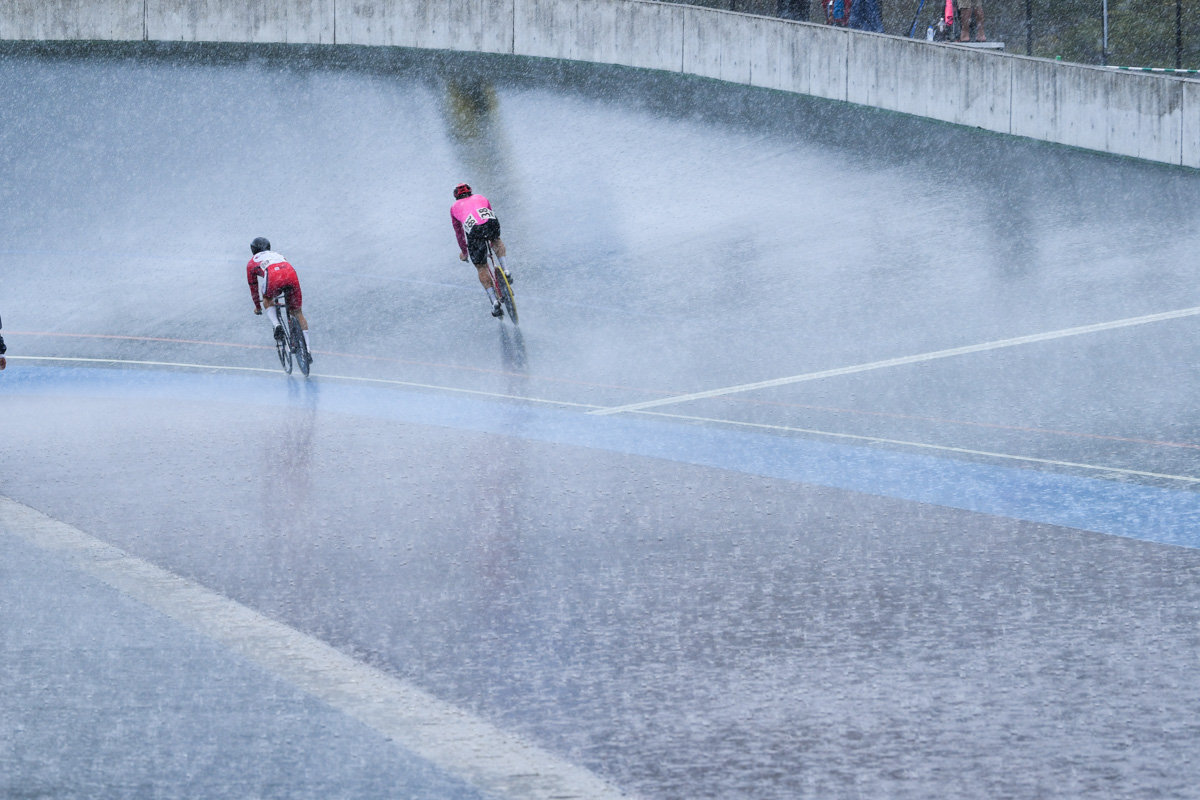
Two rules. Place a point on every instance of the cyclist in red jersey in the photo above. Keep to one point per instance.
(475, 225)
(279, 278)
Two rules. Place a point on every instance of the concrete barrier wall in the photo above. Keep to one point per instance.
(633, 34)
(1133, 114)
(70, 20)
(484, 26)
(295, 21)
(1148, 116)
(952, 84)
(1190, 135)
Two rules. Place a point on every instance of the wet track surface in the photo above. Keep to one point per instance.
(784, 592)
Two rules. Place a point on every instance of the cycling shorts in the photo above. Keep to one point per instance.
(285, 282)
(478, 238)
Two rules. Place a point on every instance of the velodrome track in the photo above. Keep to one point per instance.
(836, 455)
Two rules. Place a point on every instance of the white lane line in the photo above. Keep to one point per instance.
(524, 398)
(461, 744)
(219, 367)
(140, 363)
(925, 446)
(898, 362)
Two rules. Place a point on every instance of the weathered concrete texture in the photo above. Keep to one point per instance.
(1190, 133)
(635, 34)
(792, 57)
(1145, 117)
(484, 26)
(716, 44)
(821, 53)
(289, 21)
(111, 20)
(653, 28)
(970, 90)
(946, 83)
(1125, 113)
(1129, 114)
(1035, 104)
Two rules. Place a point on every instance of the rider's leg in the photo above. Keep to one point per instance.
(477, 249)
(299, 315)
(273, 314)
(501, 251)
(485, 278)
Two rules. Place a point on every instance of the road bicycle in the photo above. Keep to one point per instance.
(292, 342)
(504, 292)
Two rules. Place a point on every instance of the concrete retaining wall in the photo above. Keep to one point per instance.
(472, 25)
(1149, 116)
(52, 20)
(308, 21)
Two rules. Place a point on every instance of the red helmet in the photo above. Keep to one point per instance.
(461, 191)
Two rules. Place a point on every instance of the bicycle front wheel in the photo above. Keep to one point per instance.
(300, 346)
(506, 295)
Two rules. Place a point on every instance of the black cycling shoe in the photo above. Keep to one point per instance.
(508, 276)
(497, 311)
(279, 333)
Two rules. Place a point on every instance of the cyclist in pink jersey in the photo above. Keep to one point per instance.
(475, 225)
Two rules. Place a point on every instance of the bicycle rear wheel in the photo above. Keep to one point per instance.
(298, 344)
(285, 353)
(504, 290)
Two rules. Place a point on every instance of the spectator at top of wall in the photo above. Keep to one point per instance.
(793, 9)
(837, 12)
(967, 9)
(864, 16)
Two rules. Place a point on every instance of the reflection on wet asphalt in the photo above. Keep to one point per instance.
(683, 630)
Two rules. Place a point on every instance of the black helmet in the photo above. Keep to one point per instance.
(461, 191)
(258, 245)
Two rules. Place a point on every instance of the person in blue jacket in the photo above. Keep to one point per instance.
(864, 16)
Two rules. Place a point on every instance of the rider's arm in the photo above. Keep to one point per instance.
(253, 273)
(458, 233)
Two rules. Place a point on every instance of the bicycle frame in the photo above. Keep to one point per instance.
(293, 346)
(279, 303)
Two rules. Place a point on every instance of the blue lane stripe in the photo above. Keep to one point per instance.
(1129, 510)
